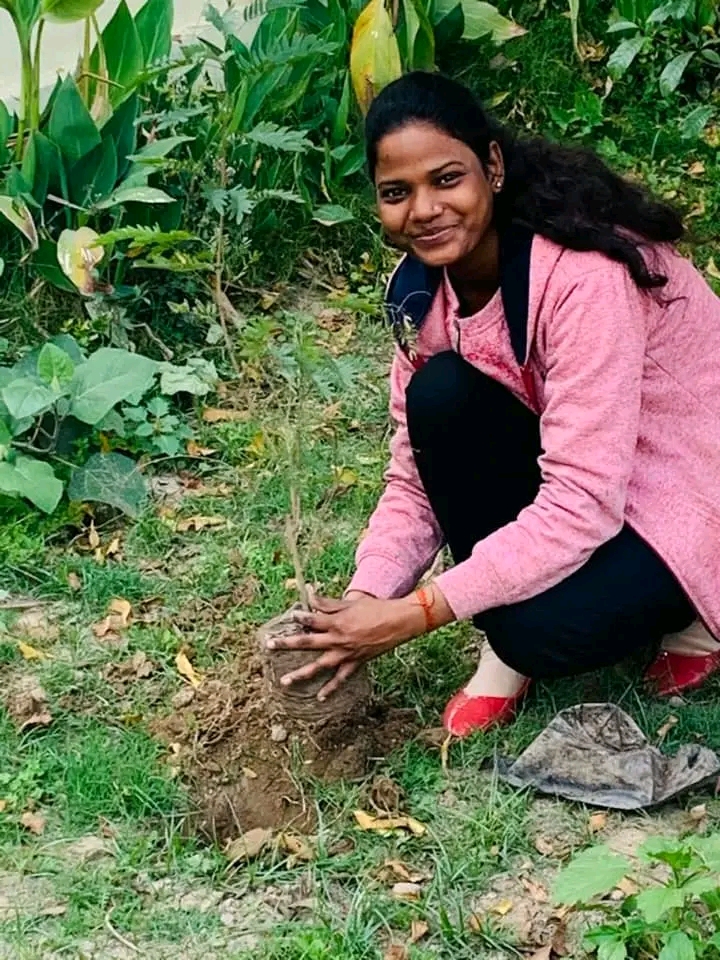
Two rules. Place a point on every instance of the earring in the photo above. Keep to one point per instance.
(498, 184)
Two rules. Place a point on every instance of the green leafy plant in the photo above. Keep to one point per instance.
(666, 38)
(56, 396)
(678, 919)
(585, 116)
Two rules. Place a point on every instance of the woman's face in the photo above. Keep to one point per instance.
(435, 200)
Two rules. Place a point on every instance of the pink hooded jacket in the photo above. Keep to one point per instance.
(627, 385)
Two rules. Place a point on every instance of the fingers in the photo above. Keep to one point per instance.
(327, 661)
(318, 622)
(300, 641)
(327, 604)
(341, 675)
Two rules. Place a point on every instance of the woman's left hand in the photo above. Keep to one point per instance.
(351, 632)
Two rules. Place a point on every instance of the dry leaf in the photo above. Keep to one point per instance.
(93, 536)
(502, 907)
(199, 523)
(54, 910)
(31, 653)
(186, 669)
(544, 846)
(418, 930)
(73, 581)
(628, 887)
(34, 625)
(597, 822)
(249, 773)
(536, 890)
(216, 415)
(26, 703)
(475, 923)
(406, 891)
(297, 847)
(367, 822)
(696, 169)
(396, 952)
(698, 813)
(712, 269)
(249, 845)
(544, 953)
(3, 805)
(665, 729)
(399, 871)
(118, 619)
(195, 450)
(34, 822)
(121, 608)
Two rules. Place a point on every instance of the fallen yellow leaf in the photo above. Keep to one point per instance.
(367, 822)
(249, 845)
(186, 670)
(29, 652)
(3, 805)
(502, 907)
(33, 822)
(195, 450)
(597, 822)
(122, 609)
(216, 415)
(256, 447)
(406, 891)
(418, 930)
(712, 269)
(199, 523)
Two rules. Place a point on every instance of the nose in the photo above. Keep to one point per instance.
(424, 205)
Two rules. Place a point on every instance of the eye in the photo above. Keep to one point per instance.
(449, 179)
(393, 194)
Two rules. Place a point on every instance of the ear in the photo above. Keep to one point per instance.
(495, 167)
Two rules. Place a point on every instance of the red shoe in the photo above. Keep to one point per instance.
(465, 715)
(671, 673)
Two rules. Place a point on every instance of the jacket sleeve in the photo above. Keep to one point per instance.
(403, 537)
(589, 429)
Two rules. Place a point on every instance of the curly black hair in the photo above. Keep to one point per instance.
(567, 194)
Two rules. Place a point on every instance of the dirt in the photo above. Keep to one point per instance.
(247, 751)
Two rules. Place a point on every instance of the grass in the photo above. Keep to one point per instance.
(97, 770)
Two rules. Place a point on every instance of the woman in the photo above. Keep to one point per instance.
(557, 395)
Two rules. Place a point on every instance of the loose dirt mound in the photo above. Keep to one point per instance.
(247, 762)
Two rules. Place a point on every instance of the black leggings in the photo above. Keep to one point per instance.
(476, 447)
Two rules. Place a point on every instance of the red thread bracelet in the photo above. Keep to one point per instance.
(427, 602)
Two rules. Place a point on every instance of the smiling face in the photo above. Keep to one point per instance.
(435, 200)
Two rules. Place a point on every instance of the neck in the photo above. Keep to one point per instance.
(476, 276)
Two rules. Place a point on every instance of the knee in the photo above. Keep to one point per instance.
(441, 392)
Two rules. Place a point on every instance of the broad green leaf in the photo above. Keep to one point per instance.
(121, 127)
(374, 54)
(330, 214)
(483, 19)
(126, 194)
(708, 849)
(110, 478)
(657, 901)
(415, 37)
(55, 367)
(108, 377)
(78, 255)
(26, 397)
(590, 873)
(16, 211)
(678, 946)
(43, 167)
(699, 885)
(450, 26)
(154, 22)
(124, 53)
(93, 177)
(25, 13)
(622, 57)
(32, 479)
(611, 949)
(197, 377)
(157, 149)
(620, 26)
(45, 264)
(6, 128)
(69, 11)
(6, 436)
(673, 73)
(279, 138)
(71, 127)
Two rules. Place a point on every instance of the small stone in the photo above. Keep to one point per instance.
(676, 702)
(278, 733)
(183, 698)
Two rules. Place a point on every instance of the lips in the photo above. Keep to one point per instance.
(433, 238)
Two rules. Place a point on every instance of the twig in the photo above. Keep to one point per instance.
(218, 293)
(292, 536)
(118, 936)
